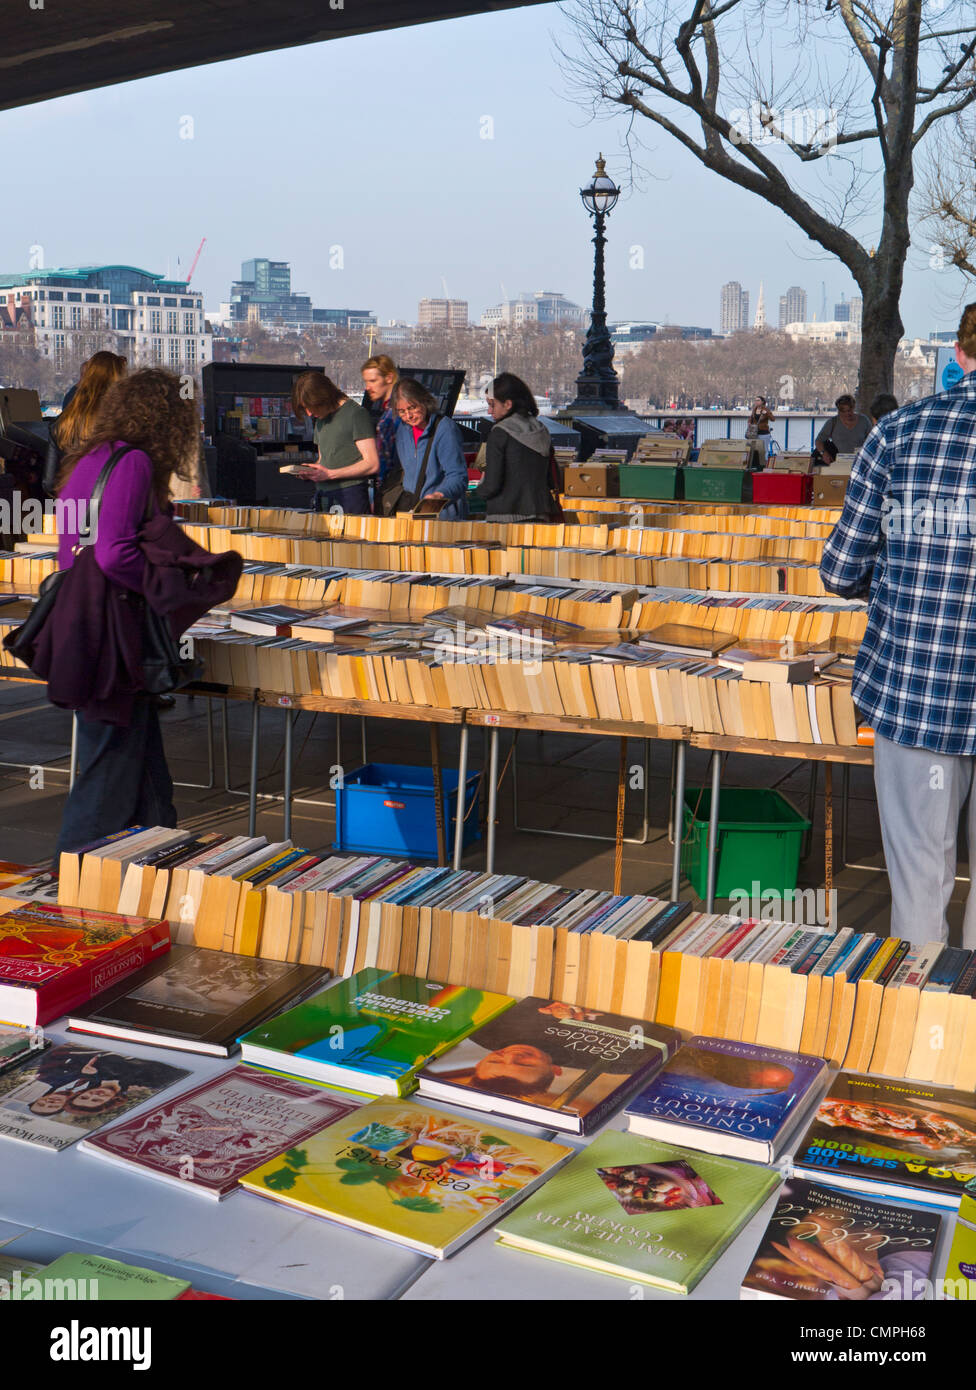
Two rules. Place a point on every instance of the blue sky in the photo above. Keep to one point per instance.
(376, 145)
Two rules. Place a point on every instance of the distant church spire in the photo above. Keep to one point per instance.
(760, 324)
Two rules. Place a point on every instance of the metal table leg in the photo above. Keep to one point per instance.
(678, 818)
(289, 729)
(713, 831)
(252, 803)
(461, 797)
(492, 801)
(73, 766)
(435, 764)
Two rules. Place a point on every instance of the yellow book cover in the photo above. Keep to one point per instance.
(409, 1173)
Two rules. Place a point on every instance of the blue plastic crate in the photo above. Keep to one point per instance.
(385, 808)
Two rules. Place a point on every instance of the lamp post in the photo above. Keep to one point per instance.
(597, 386)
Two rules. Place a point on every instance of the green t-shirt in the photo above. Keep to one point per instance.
(336, 437)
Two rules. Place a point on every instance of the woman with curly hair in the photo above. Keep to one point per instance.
(123, 778)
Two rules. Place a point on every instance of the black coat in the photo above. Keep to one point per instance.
(516, 480)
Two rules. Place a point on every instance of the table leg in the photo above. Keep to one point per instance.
(252, 803)
(492, 801)
(461, 797)
(73, 766)
(435, 764)
(713, 831)
(828, 828)
(618, 847)
(289, 729)
(678, 818)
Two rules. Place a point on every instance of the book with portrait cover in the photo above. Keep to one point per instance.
(204, 1139)
(642, 1210)
(53, 959)
(904, 1139)
(560, 1065)
(372, 1032)
(729, 1097)
(407, 1172)
(197, 1000)
(69, 1091)
(824, 1245)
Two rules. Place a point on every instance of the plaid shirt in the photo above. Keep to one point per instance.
(906, 539)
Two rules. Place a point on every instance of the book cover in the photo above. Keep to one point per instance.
(960, 1272)
(727, 1091)
(110, 1281)
(70, 1091)
(900, 1137)
(372, 1031)
(55, 958)
(204, 1139)
(197, 999)
(641, 1210)
(567, 1065)
(410, 1173)
(824, 1245)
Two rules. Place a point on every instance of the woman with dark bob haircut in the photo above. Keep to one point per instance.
(517, 484)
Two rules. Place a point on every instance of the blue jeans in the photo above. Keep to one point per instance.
(354, 500)
(122, 779)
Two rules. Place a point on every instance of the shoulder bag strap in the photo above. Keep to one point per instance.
(423, 467)
(84, 532)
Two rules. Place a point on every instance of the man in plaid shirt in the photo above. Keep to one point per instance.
(906, 541)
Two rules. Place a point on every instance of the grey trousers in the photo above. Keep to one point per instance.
(920, 795)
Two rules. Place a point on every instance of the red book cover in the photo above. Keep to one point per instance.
(53, 959)
(197, 1294)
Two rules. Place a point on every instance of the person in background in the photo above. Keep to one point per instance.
(123, 778)
(518, 474)
(76, 421)
(346, 443)
(686, 430)
(379, 378)
(903, 542)
(759, 420)
(882, 405)
(419, 425)
(847, 430)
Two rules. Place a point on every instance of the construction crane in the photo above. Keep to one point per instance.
(195, 259)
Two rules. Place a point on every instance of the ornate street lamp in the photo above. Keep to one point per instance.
(597, 385)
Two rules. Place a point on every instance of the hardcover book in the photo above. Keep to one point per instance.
(412, 1174)
(960, 1273)
(560, 1065)
(197, 1000)
(204, 1139)
(727, 1097)
(372, 1032)
(823, 1245)
(54, 958)
(904, 1139)
(641, 1210)
(110, 1281)
(69, 1091)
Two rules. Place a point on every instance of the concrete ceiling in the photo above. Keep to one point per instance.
(64, 46)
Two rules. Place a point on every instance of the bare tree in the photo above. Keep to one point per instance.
(831, 142)
(948, 197)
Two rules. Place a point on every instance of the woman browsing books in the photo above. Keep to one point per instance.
(517, 485)
(430, 455)
(346, 442)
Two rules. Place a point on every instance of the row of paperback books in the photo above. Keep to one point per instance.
(873, 1004)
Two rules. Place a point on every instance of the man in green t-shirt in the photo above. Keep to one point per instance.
(346, 442)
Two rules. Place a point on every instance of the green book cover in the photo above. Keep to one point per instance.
(97, 1278)
(960, 1275)
(642, 1210)
(371, 1032)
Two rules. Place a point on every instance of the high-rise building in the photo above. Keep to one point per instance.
(792, 306)
(80, 310)
(734, 316)
(842, 311)
(442, 313)
(546, 307)
(856, 307)
(263, 295)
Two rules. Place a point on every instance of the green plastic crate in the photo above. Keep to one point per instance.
(651, 480)
(760, 833)
(715, 484)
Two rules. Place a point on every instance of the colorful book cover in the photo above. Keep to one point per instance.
(97, 1278)
(375, 1030)
(900, 1137)
(16, 1278)
(204, 1139)
(197, 999)
(570, 1065)
(69, 1091)
(55, 958)
(960, 1274)
(410, 1173)
(641, 1210)
(823, 1245)
(727, 1089)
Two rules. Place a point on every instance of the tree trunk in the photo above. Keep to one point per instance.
(881, 332)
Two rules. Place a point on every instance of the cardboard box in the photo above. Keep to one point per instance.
(591, 480)
(728, 453)
(794, 461)
(830, 489)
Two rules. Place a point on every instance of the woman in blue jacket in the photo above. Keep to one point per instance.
(422, 432)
